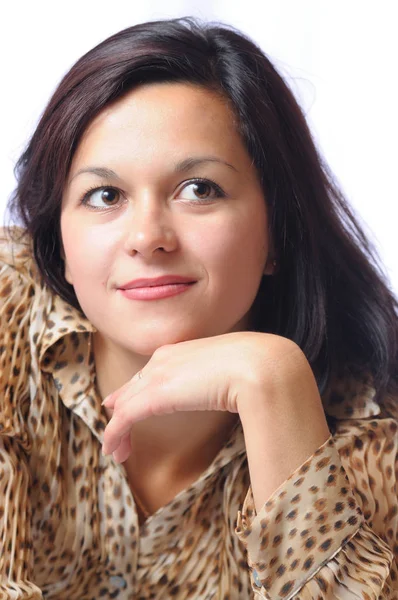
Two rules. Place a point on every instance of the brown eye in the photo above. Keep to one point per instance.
(101, 197)
(109, 195)
(201, 191)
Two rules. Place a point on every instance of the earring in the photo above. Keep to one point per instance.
(274, 263)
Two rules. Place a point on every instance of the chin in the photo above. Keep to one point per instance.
(146, 344)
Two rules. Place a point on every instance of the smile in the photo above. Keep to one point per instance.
(156, 292)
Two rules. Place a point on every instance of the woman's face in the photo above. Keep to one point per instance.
(150, 216)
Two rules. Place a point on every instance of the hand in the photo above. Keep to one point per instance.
(264, 377)
(211, 373)
(201, 374)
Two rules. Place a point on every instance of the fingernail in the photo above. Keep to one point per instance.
(105, 401)
(109, 447)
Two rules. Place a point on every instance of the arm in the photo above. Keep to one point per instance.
(310, 539)
(15, 531)
(267, 380)
(16, 557)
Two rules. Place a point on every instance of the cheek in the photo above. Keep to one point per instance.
(234, 247)
(87, 254)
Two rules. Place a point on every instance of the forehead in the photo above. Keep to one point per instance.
(157, 101)
(162, 117)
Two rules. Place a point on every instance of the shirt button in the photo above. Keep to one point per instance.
(117, 581)
(256, 578)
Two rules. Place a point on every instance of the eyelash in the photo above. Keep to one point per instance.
(87, 194)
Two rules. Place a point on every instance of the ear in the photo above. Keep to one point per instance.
(270, 267)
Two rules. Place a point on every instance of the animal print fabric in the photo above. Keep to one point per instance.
(68, 522)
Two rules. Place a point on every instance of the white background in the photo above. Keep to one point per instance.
(340, 58)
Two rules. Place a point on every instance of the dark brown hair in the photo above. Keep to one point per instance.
(329, 294)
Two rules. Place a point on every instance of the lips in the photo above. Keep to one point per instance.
(156, 281)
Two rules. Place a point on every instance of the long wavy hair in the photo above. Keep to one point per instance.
(330, 294)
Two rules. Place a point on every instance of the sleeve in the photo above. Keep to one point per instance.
(324, 535)
(16, 559)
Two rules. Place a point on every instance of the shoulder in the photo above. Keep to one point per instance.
(364, 419)
(16, 255)
(368, 450)
(19, 280)
(365, 434)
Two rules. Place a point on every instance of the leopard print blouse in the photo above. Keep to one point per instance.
(68, 521)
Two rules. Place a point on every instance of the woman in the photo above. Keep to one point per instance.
(191, 294)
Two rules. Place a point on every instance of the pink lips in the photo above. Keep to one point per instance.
(156, 288)
(154, 281)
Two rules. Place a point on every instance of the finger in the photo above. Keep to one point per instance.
(131, 410)
(123, 451)
(111, 399)
(120, 423)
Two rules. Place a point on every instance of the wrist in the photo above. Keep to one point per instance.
(277, 369)
(275, 416)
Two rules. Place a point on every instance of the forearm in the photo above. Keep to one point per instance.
(283, 426)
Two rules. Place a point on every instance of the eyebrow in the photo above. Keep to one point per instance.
(180, 167)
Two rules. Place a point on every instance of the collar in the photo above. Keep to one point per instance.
(62, 337)
(351, 396)
(55, 321)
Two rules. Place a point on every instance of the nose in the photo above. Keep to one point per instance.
(149, 228)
